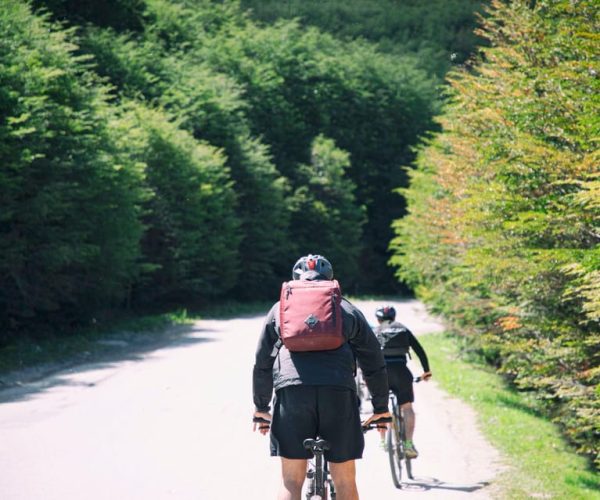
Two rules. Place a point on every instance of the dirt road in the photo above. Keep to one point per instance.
(174, 423)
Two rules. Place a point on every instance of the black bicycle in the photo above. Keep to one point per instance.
(396, 437)
(320, 485)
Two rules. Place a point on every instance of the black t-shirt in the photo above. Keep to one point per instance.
(396, 340)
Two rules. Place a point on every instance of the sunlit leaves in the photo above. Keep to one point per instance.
(502, 235)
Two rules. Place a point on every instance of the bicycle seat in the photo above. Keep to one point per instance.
(316, 444)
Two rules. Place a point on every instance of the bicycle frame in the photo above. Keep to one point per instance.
(398, 434)
(317, 471)
(396, 437)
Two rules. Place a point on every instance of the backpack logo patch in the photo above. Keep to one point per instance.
(311, 321)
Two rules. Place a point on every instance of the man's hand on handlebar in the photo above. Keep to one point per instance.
(262, 422)
(379, 420)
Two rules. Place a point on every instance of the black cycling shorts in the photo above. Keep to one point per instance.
(400, 380)
(307, 411)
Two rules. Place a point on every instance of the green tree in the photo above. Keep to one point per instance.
(209, 105)
(70, 198)
(326, 218)
(502, 234)
(302, 83)
(439, 33)
(191, 241)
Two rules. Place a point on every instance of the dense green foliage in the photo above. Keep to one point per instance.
(71, 197)
(503, 233)
(324, 206)
(175, 151)
(437, 33)
(301, 83)
(191, 241)
(285, 85)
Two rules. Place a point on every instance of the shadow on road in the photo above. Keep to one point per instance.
(432, 483)
(23, 385)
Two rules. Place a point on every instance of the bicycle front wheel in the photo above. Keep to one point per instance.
(395, 454)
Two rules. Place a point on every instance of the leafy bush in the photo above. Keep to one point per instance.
(191, 241)
(438, 32)
(70, 200)
(502, 235)
(301, 83)
(325, 215)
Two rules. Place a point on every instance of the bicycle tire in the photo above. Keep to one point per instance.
(395, 453)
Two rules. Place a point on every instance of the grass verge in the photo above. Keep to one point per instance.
(540, 463)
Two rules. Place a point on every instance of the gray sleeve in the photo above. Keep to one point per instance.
(262, 374)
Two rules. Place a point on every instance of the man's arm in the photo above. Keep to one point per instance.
(419, 351)
(370, 359)
(262, 374)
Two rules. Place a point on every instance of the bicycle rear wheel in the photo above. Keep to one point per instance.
(395, 454)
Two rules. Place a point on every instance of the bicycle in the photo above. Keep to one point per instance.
(395, 442)
(396, 437)
(320, 485)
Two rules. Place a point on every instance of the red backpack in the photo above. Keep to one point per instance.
(311, 315)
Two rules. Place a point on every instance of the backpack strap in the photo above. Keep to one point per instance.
(276, 348)
(279, 343)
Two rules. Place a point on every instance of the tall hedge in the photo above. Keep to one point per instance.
(263, 94)
(69, 199)
(439, 33)
(301, 83)
(325, 216)
(210, 106)
(190, 245)
(502, 235)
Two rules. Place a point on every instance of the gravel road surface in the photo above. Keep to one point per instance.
(173, 422)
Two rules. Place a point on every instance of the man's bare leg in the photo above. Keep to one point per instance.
(344, 479)
(409, 420)
(293, 472)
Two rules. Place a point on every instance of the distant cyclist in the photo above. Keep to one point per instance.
(305, 354)
(396, 340)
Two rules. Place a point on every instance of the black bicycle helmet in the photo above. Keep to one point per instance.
(312, 262)
(385, 313)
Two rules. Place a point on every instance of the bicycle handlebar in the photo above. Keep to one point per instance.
(377, 424)
(263, 423)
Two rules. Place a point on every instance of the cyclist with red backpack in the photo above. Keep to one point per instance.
(396, 340)
(306, 354)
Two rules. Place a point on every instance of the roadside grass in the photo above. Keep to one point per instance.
(100, 338)
(540, 462)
